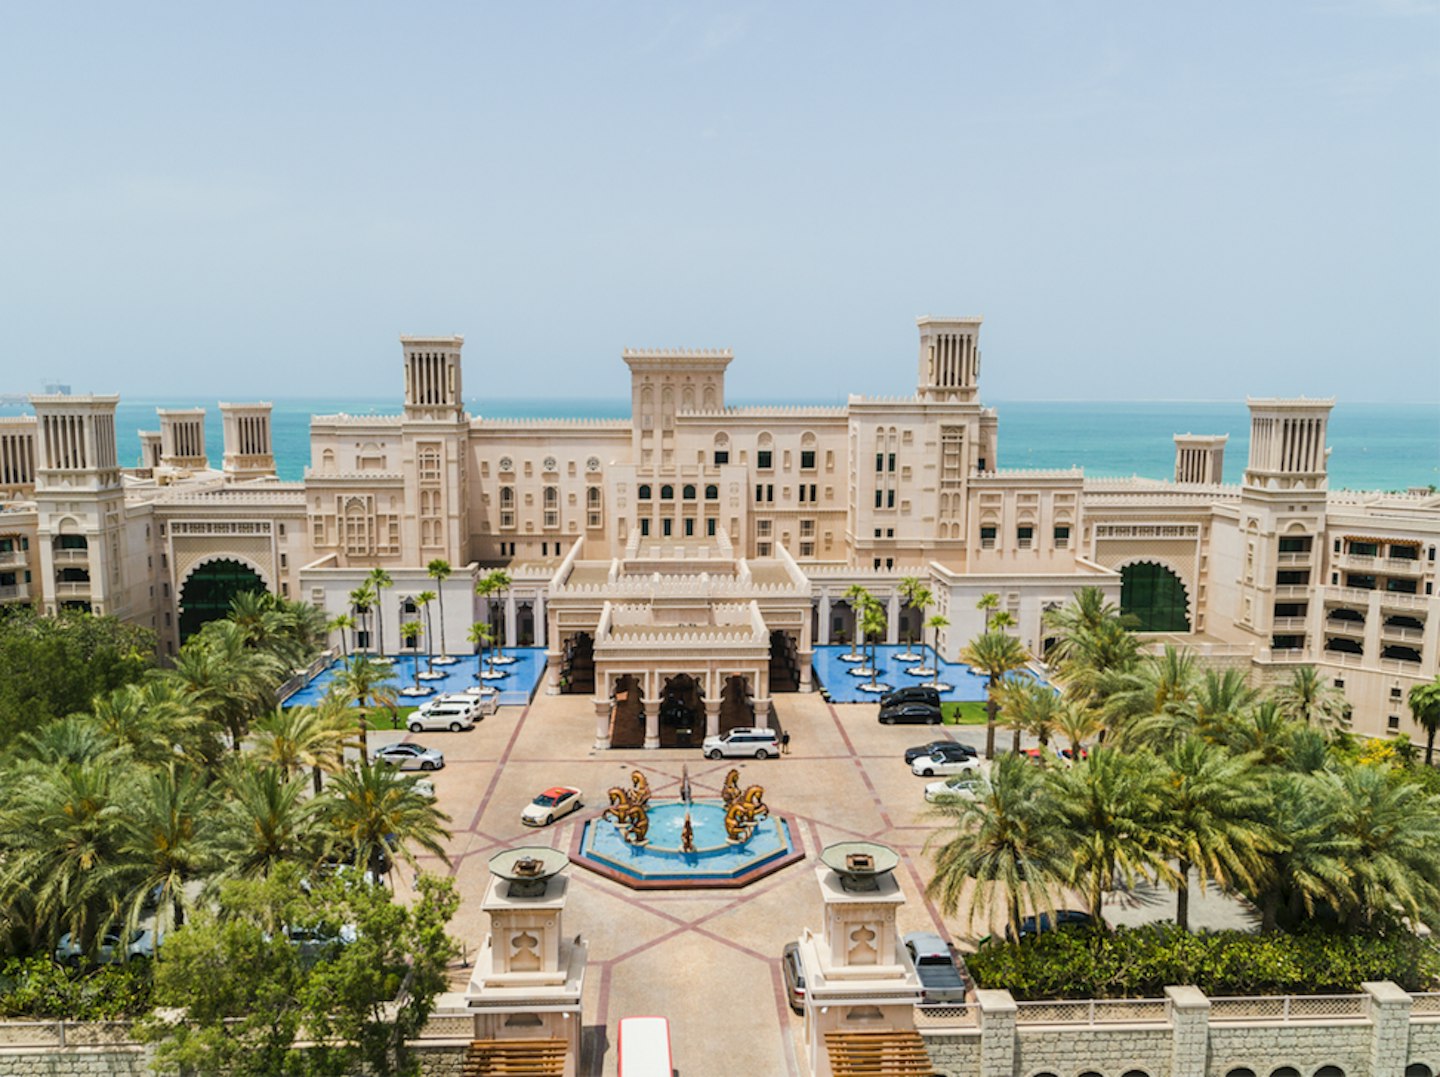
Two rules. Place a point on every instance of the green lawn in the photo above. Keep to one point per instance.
(963, 713)
(381, 719)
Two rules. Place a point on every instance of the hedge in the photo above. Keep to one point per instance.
(37, 987)
(1140, 962)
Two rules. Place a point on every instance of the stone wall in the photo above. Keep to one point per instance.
(1373, 1034)
(436, 1060)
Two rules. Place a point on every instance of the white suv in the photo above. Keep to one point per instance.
(454, 712)
(743, 740)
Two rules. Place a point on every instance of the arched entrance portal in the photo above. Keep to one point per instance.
(627, 721)
(737, 704)
(682, 712)
(208, 590)
(1156, 596)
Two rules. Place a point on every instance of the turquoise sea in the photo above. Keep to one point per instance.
(1373, 446)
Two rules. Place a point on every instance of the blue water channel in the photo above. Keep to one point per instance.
(835, 675)
(516, 687)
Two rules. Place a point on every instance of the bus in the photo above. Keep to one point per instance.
(643, 1047)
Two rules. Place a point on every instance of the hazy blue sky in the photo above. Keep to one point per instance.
(1144, 200)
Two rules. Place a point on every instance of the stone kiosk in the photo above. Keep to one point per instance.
(860, 985)
(526, 987)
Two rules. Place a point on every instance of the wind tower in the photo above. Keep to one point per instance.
(435, 431)
(249, 452)
(182, 438)
(949, 359)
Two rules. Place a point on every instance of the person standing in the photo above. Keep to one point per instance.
(785, 742)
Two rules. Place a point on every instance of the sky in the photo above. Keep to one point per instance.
(1143, 201)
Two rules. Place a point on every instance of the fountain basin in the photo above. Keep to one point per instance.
(661, 863)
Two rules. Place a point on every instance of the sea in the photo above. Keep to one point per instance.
(1372, 446)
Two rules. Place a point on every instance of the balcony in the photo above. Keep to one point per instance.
(1391, 566)
(73, 588)
(1339, 627)
(1408, 635)
(1294, 558)
(15, 592)
(1288, 624)
(1293, 590)
(1401, 601)
(13, 558)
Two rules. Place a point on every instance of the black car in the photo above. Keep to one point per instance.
(916, 693)
(946, 749)
(910, 714)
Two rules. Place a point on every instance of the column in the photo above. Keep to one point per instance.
(540, 626)
(509, 619)
(804, 659)
(997, 1033)
(553, 660)
(1190, 1019)
(652, 723)
(892, 619)
(762, 712)
(1390, 1021)
(712, 717)
(824, 618)
(602, 721)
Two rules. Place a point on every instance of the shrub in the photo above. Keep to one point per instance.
(38, 987)
(1140, 962)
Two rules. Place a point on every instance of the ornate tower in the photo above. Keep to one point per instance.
(432, 378)
(249, 453)
(435, 434)
(949, 358)
(182, 438)
(1200, 458)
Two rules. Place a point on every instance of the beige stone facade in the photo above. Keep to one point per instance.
(605, 523)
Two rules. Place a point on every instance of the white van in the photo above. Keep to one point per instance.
(455, 712)
(743, 740)
(643, 1047)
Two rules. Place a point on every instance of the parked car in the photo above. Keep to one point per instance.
(140, 943)
(742, 740)
(1035, 925)
(957, 786)
(929, 766)
(794, 976)
(448, 712)
(935, 965)
(1069, 754)
(915, 693)
(410, 756)
(940, 747)
(424, 786)
(316, 941)
(550, 805)
(910, 714)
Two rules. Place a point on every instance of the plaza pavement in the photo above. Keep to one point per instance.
(706, 959)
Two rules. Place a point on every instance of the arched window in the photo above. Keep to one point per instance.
(507, 495)
(1134, 1073)
(667, 492)
(1156, 596)
(644, 492)
(1418, 1069)
(689, 492)
(592, 496)
(552, 496)
(1288, 1071)
(1240, 1071)
(712, 492)
(1329, 1071)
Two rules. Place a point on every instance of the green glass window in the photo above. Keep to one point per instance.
(1156, 596)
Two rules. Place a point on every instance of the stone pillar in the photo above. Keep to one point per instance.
(509, 619)
(553, 662)
(824, 619)
(652, 723)
(603, 709)
(762, 712)
(541, 636)
(805, 658)
(1390, 1020)
(1190, 1018)
(997, 1033)
(712, 717)
(892, 619)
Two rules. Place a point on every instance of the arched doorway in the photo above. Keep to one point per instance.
(784, 662)
(577, 673)
(737, 705)
(1156, 596)
(627, 721)
(208, 590)
(682, 712)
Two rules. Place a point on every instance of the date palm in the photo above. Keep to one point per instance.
(379, 579)
(171, 831)
(872, 619)
(1030, 707)
(1424, 701)
(481, 636)
(989, 602)
(936, 623)
(1306, 698)
(269, 820)
(859, 599)
(1077, 722)
(423, 600)
(230, 683)
(1004, 851)
(497, 583)
(1215, 808)
(1160, 685)
(1092, 643)
(364, 683)
(410, 633)
(1310, 870)
(996, 654)
(155, 718)
(362, 600)
(341, 623)
(1111, 804)
(372, 811)
(1393, 826)
(439, 570)
(917, 596)
(292, 738)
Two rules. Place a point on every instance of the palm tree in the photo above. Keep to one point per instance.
(917, 596)
(989, 602)
(1077, 722)
(364, 682)
(372, 810)
(339, 624)
(1001, 620)
(1215, 808)
(1393, 828)
(1005, 847)
(481, 636)
(1159, 685)
(1092, 643)
(1424, 701)
(872, 622)
(410, 635)
(858, 598)
(230, 683)
(440, 571)
(1306, 698)
(303, 736)
(362, 600)
(154, 719)
(269, 821)
(1263, 732)
(423, 599)
(170, 830)
(1311, 868)
(379, 579)
(1111, 805)
(935, 624)
(996, 654)
(498, 584)
(1211, 707)
(1030, 707)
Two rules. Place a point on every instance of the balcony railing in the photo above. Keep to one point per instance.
(1410, 635)
(15, 592)
(1288, 624)
(1263, 1008)
(1293, 590)
(1341, 627)
(72, 587)
(13, 558)
(1394, 566)
(1290, 557)
(71, 557)
(1400, 600)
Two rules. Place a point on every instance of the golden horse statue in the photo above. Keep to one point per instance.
(731, 790)
(628, 808)
(743, 812)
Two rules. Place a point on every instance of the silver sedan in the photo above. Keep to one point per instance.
(410, 757)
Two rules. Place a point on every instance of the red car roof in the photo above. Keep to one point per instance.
(558, 791)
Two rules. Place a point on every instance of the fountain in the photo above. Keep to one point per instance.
(685, 842)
